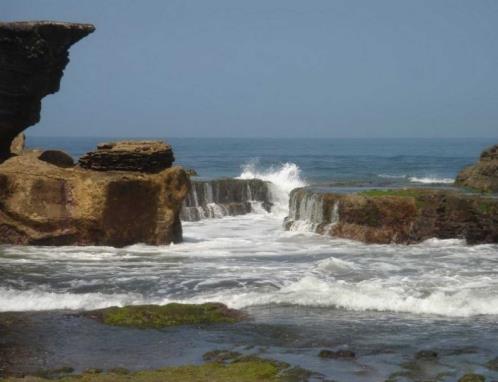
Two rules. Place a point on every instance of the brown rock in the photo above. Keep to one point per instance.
(33, 56)
(17, 146)
(144, 156)
(45, 204)
(483, 175)
(397, 216)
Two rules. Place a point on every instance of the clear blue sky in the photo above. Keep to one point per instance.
(282, 68)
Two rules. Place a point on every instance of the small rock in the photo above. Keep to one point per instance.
(472, 378)
(119, 370)
(220, 356)
(426, 355)
(57, 158)
(191, 172)
(493, 364)
(93, 371)
(339, 354)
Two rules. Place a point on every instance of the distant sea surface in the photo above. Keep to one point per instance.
(319, 160)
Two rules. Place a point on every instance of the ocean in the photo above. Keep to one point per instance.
(303, 292)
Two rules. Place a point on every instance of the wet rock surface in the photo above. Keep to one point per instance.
(142, 156)
(224, 197)
(483, 175)
(401, 216)
(33, 56)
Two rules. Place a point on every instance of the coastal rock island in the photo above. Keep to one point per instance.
(483, 175)
(51, 204)
(122, 193)
(33, 56)
(401, 216)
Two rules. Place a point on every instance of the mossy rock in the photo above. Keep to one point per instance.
(160, 316)
(245, 370)
(472, 378)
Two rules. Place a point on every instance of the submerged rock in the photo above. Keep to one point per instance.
(46, 204)
(159, 316)
(33, 56)
(472, 378)
(143, 156)
(339, 354)
(426, 355)
(401, 216)
(225, 197)
(483, 175)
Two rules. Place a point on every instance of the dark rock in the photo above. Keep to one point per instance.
(483, 175)
(221, 356)
(93, 371)
(492, 364)
(401, 216)
(143, 156)
(224, 197)
(339, 354)
(33, 56)
(119, 371)
(426, 355)
(57, 158)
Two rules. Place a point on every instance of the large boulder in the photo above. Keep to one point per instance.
(483, 175)
(48, 204)
(396, 216)
(33, 56)
(145, 156)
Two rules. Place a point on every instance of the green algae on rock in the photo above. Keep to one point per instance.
(246, 370)
(160, 316)
(472, 378)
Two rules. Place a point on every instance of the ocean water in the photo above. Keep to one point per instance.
(303, 291)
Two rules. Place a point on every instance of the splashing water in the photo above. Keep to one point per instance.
(284, 179)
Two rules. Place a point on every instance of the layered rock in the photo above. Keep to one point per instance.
(483, 175)
(33, 56)
(395, 216)
(144, 156)
(225, 197)
(48, 204)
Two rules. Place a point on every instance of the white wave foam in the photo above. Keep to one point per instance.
(284, 179)
(26, 300)
(429, 180)
(415, 179)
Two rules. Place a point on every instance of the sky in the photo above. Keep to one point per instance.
(274, 68)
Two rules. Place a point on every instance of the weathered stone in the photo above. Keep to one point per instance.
(57, 158)
(339, 354)
(45, 204)
(224, 197)
(17, 146)
(397, 216)
(33, 56)
(143, 156)
(483, 175)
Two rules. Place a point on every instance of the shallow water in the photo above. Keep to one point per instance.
(303, 292)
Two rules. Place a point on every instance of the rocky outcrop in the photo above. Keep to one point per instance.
(395, 216)
(144, 156)
(17, 145)
(33, 56)
(483, 175)
(48, 204)
(225, 197)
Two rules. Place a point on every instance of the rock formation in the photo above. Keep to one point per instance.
(17, 145)
(145, 156)
(46, 203)
(33, 56)
(396, 216)
(483, 175)
(225, 197)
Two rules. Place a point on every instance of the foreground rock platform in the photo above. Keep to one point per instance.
(483, 175)
(44, 203)
(144, 156)
(403, 216)
(33, 55)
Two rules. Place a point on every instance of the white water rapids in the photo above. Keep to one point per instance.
(250, 260)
